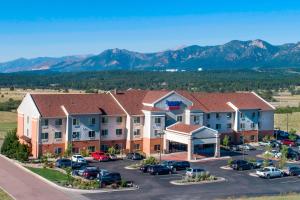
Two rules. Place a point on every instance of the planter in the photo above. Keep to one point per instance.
(179, 182)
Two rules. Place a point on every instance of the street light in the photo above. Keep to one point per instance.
(161, 133)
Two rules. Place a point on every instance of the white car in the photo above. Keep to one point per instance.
(192, 172)
(274, 153)
(269, 172)
(262, 143)
(78, 158)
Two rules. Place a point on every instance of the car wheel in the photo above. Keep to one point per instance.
(268, 176)
(281, 175)
(174, 169)
(156, 173)
(170, 172)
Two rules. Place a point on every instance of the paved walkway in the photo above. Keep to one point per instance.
(23, 186)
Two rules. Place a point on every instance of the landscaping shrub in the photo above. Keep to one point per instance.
(150, 161)
(85, 153)
(12, 148)
(113, 150)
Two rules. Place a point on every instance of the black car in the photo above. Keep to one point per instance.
(134, 156)
(176, 165)
(90, 173)
(144, 168)
(63, 163)
(293, 171)
(159, 169)
(293, 155)
(109, 178)
(241, 165)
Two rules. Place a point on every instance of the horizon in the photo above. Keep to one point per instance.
(55, 28)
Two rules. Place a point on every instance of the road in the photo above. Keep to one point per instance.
(24, 186)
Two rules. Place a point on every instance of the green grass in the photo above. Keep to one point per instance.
(4, 195)
(8, 121)
(50, 174)
(293, 119)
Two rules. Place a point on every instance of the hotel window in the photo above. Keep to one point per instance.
(228, 126)
(119, 120)
(57, 150)
(104, 147)
(27, 119)
(104, 132)
(136, 132)
(136, 120)
(218, 126)
(242, 125)
(208, 116)
(217, 115)
(118, 131)
(258, 114)
(104, 119)
(91, 134)
(157, 120)
(229, 115)
(44, 136)
(91, 148)
(75, 122)
(179, 118)
(76, 135)
(27, 132)
(137, 146)
(75, 150)
(253, 115)
(45, 122)
(252, 125)
(58, 122)
(242, 115)
(196, 118)
(57, 135)
(252, 137)
(157, 147)
(92, 121)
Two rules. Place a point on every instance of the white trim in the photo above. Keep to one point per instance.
(232, 106)
(118, 103)
(168, 94)
(264, 100)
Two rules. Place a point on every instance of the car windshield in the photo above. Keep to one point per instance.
(266, 170)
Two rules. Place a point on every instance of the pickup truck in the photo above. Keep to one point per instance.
(269, 172)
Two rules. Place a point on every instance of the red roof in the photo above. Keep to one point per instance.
(50, 105)
(154, 95)
(150, 108)
(184, 128)
(131, 100)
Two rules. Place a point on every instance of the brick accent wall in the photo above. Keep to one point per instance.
(50, 148)
(148, 145)
(83, 145)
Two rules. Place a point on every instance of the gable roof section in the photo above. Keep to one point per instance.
(217, 102)
(49, 105)
(131, 100)
(153, 95)
(183, 128)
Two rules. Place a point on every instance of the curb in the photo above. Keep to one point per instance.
(226, 168)
(131, 168)
(16, 163)
(211, 159)
(219, 179)
(8, 194)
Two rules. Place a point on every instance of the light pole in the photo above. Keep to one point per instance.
(161, 133)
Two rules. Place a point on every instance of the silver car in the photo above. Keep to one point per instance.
(192, 172)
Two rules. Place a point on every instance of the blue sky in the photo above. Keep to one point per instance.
(34, 28)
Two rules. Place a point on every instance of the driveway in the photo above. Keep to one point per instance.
(237, 184)
(24, 186)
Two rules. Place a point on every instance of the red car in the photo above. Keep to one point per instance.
(100, 156)
(288, 142)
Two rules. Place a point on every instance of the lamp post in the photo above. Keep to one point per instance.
(161, 133)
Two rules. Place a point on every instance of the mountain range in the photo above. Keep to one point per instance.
(232, 55)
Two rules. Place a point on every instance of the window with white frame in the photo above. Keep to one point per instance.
(252, 125)
(136, 120)
(45, 122)
(92, 134)
(229, 126)
(57, 135)
(229, 115)
(92, 121)
(44, 136)
(119, 131)
(58, 122)
(104, 120)
(75, 122)
(218, 115)
(137, 132)
(104, 132)
(242, 125)
(119, 119)
(57, 150)
(218, 126)
(157, 120)
(76, 135)
(196, 119)
(242, 115)
(179, 118)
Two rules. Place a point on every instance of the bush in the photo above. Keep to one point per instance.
(113, 150)
(12, 148)
(85, 152)
(150, 161)
(229, 161)
(68, 151)
(226, 141)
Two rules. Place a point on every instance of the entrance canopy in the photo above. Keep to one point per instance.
(192, 135)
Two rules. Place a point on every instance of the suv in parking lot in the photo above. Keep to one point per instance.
(192, 172)
(63, 162)
(109, 178)
(134, 156)
(176, 165)
(292, 170)
(241, 165)
(159, 169)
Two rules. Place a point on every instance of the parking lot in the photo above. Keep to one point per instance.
(238, 183)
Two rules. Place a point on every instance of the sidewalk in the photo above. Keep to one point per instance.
(24, 186)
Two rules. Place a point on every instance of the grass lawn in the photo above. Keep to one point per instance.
(8, 121)
(4, 195)
(294, 121)
(50, 174)
(280, 197)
